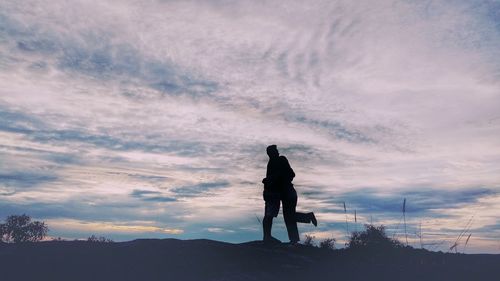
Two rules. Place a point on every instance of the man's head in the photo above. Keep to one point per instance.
(272, 151)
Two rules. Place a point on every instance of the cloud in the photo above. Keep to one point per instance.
(93, 54)
(5, 191)
(109, 227)
(427, 201)
(198, 189)
(17, 122)
(92, 208)
(25, 179)
(219, 230)
(334, 128)
(488, 230)
(151, 196)
(38, 131)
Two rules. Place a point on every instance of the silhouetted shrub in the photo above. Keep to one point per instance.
(309, 241)
(20, 228)
(100, 239)
(372, 236)
(328, 243)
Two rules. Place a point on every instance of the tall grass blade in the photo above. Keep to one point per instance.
(404, 218)
(466, 242)
(420, 236)
(346, 224)
(258, 219)
(466, 229)
(355, 221)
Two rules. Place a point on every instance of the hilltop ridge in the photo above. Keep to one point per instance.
(172, 259)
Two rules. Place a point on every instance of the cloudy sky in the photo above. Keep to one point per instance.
(133, 119)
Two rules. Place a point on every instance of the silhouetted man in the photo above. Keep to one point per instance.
(278, 186)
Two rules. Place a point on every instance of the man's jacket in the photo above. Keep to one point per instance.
(279, 175)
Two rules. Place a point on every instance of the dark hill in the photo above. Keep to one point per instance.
(171, 259)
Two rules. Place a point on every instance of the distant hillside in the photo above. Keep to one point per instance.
(171, 259)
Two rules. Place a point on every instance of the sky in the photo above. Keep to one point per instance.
(150, 119)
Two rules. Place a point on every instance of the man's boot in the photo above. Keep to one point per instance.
(267, 224)
(313, 219)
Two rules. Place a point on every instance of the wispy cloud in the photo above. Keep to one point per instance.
(197, 189)
(152, 196)
(25, 179)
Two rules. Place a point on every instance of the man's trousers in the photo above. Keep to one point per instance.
(291, 216)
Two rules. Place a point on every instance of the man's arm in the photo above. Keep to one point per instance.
(287, 169)
(267, 181)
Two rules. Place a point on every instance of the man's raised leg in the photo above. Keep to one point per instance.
(306, 218)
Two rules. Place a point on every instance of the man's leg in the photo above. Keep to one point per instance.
(289, 205)
(303, 217)
(272, 207)
(306, 218)
(267, 224)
